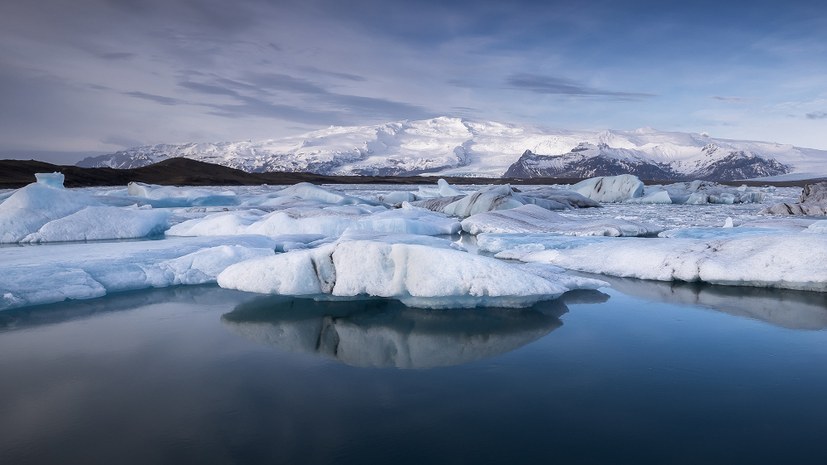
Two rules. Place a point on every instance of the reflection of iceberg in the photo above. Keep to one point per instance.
(779, 307)
(49, 314)
(385, 333)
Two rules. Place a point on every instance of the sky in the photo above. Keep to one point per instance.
(97, 76)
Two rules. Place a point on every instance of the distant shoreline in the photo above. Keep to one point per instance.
(186, 172)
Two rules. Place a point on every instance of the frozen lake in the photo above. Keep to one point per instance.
(640, 373)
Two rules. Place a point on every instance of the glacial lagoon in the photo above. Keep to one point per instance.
(642, 372)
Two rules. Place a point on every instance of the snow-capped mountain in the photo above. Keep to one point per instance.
(460, 147)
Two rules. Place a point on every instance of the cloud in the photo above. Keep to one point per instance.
(256, 94)
(539, 84)
(730, 99)
(334, 74)
(154, 98)
(117, 55)
(816, 115)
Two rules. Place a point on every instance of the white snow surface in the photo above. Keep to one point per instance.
(453, 146)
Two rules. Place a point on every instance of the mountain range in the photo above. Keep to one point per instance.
(447, 146)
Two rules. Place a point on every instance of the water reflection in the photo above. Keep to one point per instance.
(40, 315)
(780, 307)
(385, 333)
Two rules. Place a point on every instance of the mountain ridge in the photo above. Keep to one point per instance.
(447, 146)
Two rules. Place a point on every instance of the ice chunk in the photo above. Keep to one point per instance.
(98, 223)
(819, 227)
(703, 192)
(610, 188)
(50, 179)
(35, 275)
(443, 189)
(652, 197)
(30, 207)
(325, 222)
(417, 275)
(308, 191)
(486, 199)
(533, 219)
(553, 198)
(789, 261)
(812, 202)
(397, 197)
(204, 265)
(406, 221)
(174, 196)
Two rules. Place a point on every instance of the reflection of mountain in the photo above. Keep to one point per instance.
(385, 333)
(779, 307)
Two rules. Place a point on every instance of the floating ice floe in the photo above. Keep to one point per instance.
(384, 334)
(46, 212)
(100, 223)
(308, 191)
(533, 219)
(406, 221)
(790, 261)
(30, 207)
(417, 275)
(812, 202)
(174, 196)
(503, 197)
(53, 273)
(610, 188)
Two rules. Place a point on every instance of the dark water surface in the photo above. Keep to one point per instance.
(645, 373)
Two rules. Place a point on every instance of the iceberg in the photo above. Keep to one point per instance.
(30, 207)
(417, 275)
(102, 223)
(812, 202)
(787, 261)
(44, 274)
(610, 188)
(534, 219)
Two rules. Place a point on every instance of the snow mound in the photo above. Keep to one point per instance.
(789, 261)
(610, 188)
(417, 275)
(533, 219)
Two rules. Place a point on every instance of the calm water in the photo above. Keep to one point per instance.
(645, 373)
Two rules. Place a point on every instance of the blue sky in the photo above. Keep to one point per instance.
(102, 75)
